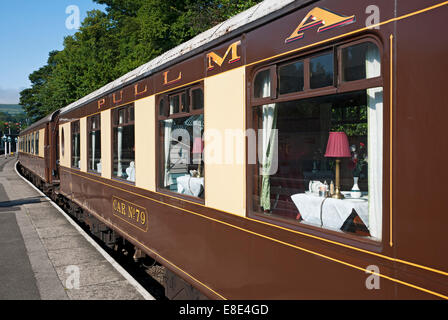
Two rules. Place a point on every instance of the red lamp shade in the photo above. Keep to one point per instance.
(198, 145)
(337, 146)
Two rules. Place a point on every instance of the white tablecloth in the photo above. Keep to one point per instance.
(190, 185)
(334, 211)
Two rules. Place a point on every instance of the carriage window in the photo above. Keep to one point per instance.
(174, 104)
(358, 59)
(262, 84)
(291, 77)
(197, 97)
(62, 142)
(163, 108)
(185, 103)
(124, 143)
(32, 143)
(320, 158)
(76, 145)
(321, 71)
(181, 146)
(94, 143)
(37, 143)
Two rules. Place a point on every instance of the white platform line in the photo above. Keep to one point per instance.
(146, 295)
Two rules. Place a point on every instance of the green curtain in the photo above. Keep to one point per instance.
(269, 149)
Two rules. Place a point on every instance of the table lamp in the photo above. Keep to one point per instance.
(337, 147)
(198, 148)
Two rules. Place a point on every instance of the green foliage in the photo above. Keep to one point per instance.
(351, 120)
(108, 45)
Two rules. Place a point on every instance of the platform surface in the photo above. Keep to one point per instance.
(41, 252)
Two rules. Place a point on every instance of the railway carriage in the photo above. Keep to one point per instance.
(38, 152)
(217, 158)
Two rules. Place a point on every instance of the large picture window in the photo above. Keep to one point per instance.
(181, 126)
(94, 143)
(76, 145)
(321, 155)
(123, 143)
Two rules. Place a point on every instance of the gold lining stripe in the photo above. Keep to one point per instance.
(262, 236)
(391, 94)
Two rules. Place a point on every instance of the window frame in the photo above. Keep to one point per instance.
(339, 87)
(358, 84)
(308, 69)
(36, 144)
(62, 142)
(115, 111)
(305, 77)
(32, 144)
(161, 139)
(273, 75)
(89, 141)
(73, 131)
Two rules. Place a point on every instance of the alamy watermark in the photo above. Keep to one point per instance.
(73, 21)
(373, 280)
(373, 18)
(225, 147)
(72, 281)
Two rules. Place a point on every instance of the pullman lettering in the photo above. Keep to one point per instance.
(131, 213)
(215, 58)
(320, 17)
(168, 82)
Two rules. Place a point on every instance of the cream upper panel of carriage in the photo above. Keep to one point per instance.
(33, 143)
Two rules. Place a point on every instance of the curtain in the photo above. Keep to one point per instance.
(168, 126)
(268, 145)
(119, 150)
(375, 145)
(93, 147)
(76, 164)
(120, 143)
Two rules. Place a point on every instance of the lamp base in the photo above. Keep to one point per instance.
(338, 195)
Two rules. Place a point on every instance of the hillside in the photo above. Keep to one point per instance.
(11, 109)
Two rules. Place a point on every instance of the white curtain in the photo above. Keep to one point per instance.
(167, 148)
(375, 144)
(268, 145)
(76, 152)
(93, 146)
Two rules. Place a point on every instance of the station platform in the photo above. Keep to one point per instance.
(45, 256)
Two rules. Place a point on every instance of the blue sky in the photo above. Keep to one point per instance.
(29, 30)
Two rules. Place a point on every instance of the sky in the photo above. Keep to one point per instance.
(29, 30)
